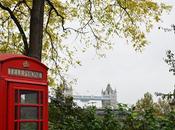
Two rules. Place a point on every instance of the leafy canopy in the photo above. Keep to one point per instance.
(71, 26)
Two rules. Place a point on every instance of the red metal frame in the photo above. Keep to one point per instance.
(18, 105)
(29, 87)
(11, 83)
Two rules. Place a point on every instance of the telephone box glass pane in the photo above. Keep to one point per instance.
(28, 97)
(29, 113)
(28, 126)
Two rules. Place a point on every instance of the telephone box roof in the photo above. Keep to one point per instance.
(5, 57)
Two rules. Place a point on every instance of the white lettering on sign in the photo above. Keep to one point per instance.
(25, 73)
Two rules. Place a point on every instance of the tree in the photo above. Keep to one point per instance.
(153, 115)
(92, 22)
(145, 103)
(64, 114)
(171, 62)
(34, 47)
(163, 106)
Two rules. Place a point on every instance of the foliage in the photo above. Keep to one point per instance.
(92, 23)
(65, 115)
(171, 62)
(145, 103)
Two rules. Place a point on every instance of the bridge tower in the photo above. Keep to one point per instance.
(113, 97)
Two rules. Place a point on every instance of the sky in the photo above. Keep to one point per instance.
(131, 73)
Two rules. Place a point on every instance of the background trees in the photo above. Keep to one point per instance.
(65, 115)
(91, 23)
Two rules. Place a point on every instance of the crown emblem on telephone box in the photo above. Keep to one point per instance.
(26, 64)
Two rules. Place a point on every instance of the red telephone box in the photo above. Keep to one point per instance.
(23, 93)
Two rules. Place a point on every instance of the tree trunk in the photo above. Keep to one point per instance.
(36, 29)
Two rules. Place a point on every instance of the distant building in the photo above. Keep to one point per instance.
(112, 94)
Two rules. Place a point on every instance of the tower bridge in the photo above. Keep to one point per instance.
(108, 97)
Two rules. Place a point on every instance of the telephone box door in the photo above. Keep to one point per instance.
(26, 109)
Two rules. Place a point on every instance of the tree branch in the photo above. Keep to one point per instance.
(51, 40)
(25, 3)
(48, 19)
(125, 10)
(90, 9)
(18, 26)
(90, 14)
(57, 13)
(64, 29)
(22, 2)
(18, 4)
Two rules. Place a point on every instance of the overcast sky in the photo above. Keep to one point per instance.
(131, 73)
